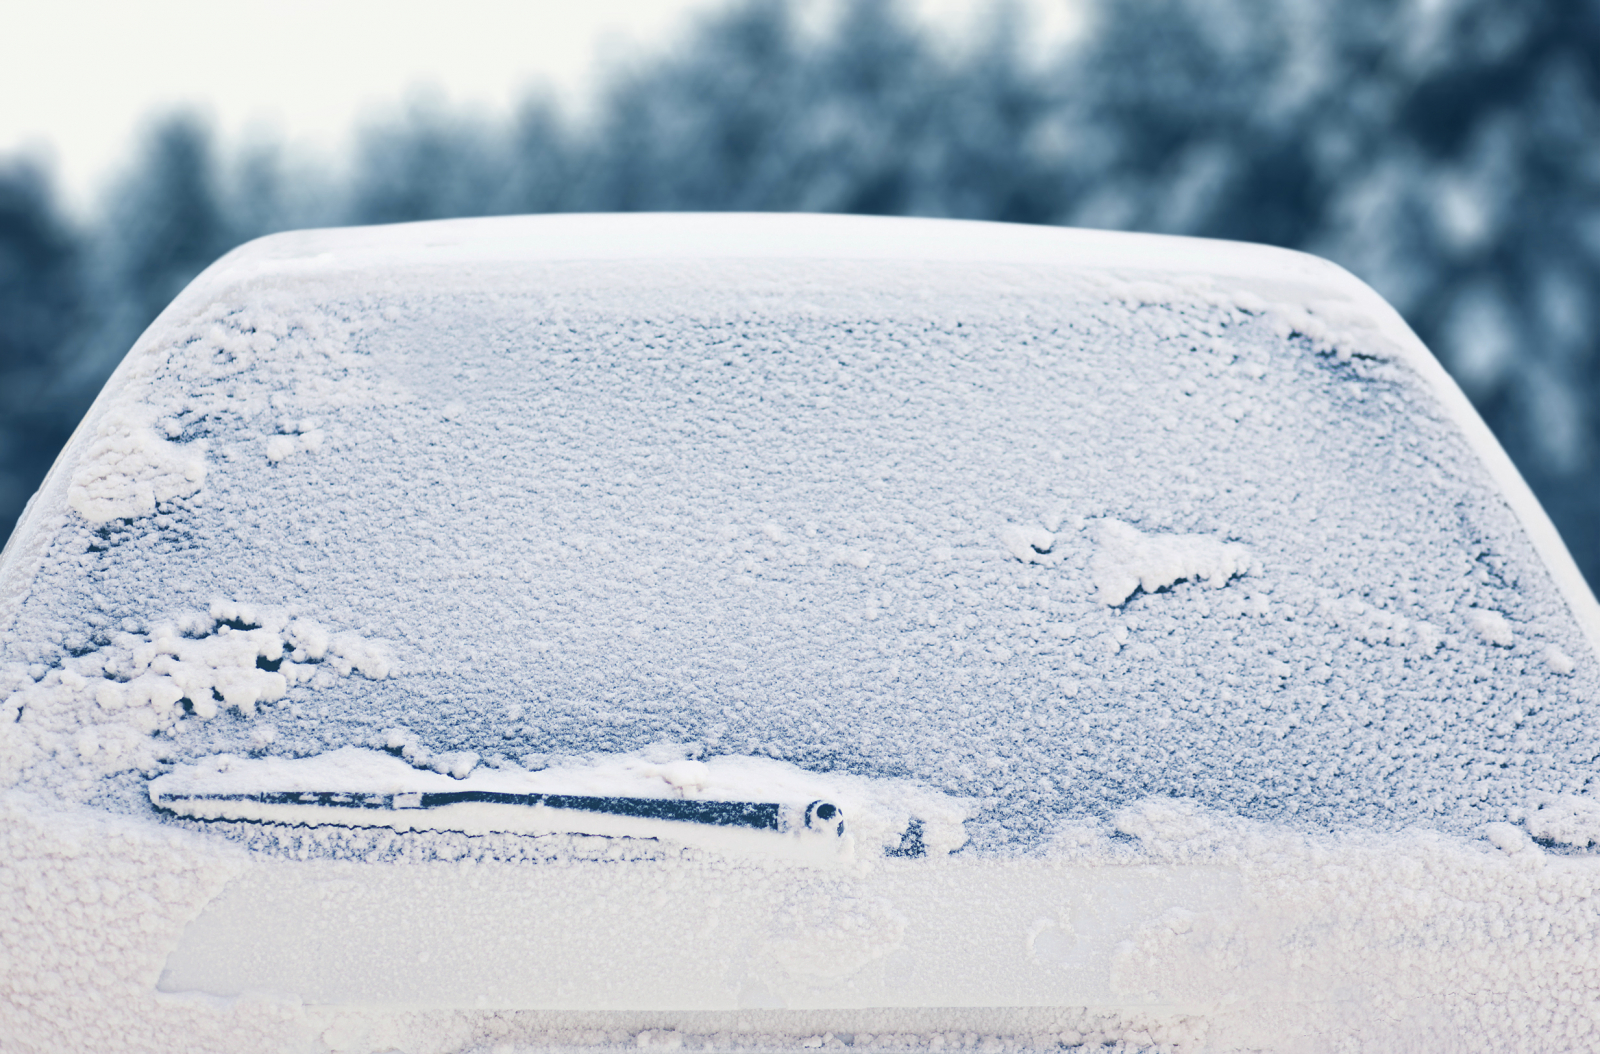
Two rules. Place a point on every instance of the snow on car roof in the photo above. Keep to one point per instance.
(902, 499)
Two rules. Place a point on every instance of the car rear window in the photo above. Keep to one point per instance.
(1048, 540)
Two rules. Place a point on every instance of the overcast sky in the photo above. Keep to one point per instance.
(78, 78)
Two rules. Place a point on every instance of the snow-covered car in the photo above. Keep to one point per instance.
(769, 632)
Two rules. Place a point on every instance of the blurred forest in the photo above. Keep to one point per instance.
(1447, 151)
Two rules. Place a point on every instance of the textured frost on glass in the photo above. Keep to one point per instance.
(844, 515)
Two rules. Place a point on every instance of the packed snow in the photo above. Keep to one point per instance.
(1182, 610)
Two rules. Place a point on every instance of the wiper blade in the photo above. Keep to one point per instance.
(767, 816)
(728, 805)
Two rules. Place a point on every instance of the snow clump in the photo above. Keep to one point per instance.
(128, 469)
(294, 437)
(118, 707)
(1129, 559)
(1492, 628)
(1027, 543)
(1558, 660)
(1569, 819)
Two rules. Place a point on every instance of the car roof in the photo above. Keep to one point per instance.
(1049, 520)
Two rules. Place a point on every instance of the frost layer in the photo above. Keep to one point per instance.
(956, 524)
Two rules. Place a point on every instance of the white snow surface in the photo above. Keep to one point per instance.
(1178, 564)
